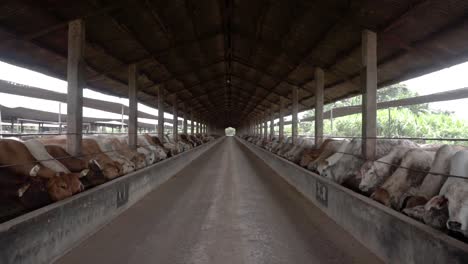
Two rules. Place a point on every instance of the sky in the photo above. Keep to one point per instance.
(443, 80)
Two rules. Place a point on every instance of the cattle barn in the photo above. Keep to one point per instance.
(183, 189)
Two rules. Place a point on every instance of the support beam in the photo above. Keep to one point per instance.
(281, 119)
(75, 79)
(319, 86)
(295, 109)
(265, 123)
(175, 120)
(369, 93)
(161, 112)
(133, 106)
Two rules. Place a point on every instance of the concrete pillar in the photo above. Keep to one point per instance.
(265, 129)
(175, 120)
(185, 119)
(272, 123)
(132, 106)
(192, 124)
(76, 82)
(295, 110)
(161, 112)
(281, 119)
(319, 87)
(369, 93)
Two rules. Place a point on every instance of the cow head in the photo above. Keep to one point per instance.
(64, 185)
(306, 159)
(109, 170)
(34, 194)
(436, 212)
(139, 160)
(382, 196)
(457, 196)
(369, 179)
(321, 166)
(127, 166)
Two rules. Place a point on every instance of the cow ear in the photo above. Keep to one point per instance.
(23, 189)
(34, 171)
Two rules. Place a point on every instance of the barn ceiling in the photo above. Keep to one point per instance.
(230, 60)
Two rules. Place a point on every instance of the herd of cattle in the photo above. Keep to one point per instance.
(426, 182)
(39, 171)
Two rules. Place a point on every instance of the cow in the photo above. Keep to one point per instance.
(434, 181)
(455, 190)
(346, 168)
(312, 154)
(297, 151)
(72, 163)
(333, 159)
(374, 173)
(326, 150)
(412, 170)
(18, 162)
(146, 142)
(284, 146)
(122, 148)
(272, 143)
(102, 165)
(127, 165)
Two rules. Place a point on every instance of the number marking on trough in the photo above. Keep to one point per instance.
(321, 193)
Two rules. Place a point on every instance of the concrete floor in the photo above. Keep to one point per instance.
(227, 207)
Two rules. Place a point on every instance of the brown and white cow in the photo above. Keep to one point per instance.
(329, 145)
(18, 162)
(104, 147)
(114, 146)
(103, 166)
(296, 153)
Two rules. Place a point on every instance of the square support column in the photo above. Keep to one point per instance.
(319, 86)
(369, 93)
(192, 123)
(265, 123)
(295, 110)
(272, 123)
(161, 112)
(281, 119)
(185, 128)
(76, 82)
(175, 120)
(132, 106)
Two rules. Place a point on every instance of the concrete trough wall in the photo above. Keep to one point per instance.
(45, 234)
(392, 236)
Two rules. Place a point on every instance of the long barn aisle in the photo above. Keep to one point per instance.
(227, 207)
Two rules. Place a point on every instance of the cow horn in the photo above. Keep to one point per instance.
(34, 171)
(84, 173)
(95, 162)
(23, 189)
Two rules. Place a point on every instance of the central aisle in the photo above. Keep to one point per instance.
(227, 207)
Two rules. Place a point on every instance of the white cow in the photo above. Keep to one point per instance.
(455, 190)
(434, 181)
(333, 159)
(413, 168)
(374, 173)
(346, 168)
